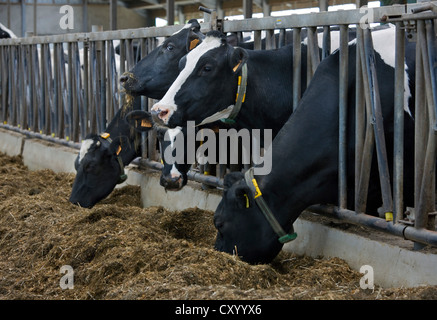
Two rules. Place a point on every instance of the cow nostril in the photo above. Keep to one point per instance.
(163, 113)
(123, 79)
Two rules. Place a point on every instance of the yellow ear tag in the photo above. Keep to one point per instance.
(193, 43)
(236, 67)
(105, 135)
(247, 200)
(257, 190)
(389, 216)
(118, 150)
(145, 123)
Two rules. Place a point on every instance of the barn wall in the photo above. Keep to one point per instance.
(48, 18)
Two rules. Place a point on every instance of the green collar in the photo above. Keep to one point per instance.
(253, 185)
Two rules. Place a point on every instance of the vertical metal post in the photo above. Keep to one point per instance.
(297, 67)
(113, 14)
(398, 165)
(360, 120)
(384, 173)
(170, 12)
(427, 195)
(343, 88)
(85, 72)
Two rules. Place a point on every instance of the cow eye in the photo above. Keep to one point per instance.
(170, 47)
(207, 68)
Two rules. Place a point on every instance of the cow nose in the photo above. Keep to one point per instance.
(160, 112)
(123, 79)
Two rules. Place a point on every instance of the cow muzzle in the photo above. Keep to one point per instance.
(172, 182)
(161, 113)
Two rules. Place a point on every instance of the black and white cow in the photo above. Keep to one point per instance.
(305, 157)
(207, 85)
(98, 169)
(153, 75)
(213, 69)
(102, 158)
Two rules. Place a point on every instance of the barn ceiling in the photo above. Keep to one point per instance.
(190, 8)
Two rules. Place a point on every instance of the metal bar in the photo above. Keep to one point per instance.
(297, 67)
(426, 194)
(191, 175)
(407, 232)
(360, 123)
(343, 89)
(384, 173)
(398, 161)
(86, 89)
(32, 134)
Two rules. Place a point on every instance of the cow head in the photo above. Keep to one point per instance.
(153, 75)
(98, 171)
(206, 85)
(242, 228)
(174, 173)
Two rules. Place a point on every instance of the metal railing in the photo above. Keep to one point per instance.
(65, 97)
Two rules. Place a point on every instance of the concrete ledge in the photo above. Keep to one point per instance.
(190, 196)
(393, 265)
(11, 143)
(39, 155)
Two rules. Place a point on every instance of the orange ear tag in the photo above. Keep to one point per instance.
(236, 67)
(193, 43)
(145, 123)
(118, 150)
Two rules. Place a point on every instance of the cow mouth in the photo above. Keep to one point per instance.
(173, 184)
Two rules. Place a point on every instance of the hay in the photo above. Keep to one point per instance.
(120, 251)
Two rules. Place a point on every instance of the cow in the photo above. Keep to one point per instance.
(214, 64)
(153, 75)
(102, 158)
(96, 157)
(305, 159)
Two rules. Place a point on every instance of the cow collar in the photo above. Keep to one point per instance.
(241, 95)
(106, 136)
(253, 186)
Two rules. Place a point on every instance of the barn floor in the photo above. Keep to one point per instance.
(119, 250)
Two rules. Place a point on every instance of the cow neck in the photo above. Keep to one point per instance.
(125, 153)
(305, 155)
(241, 95)
(283, 237)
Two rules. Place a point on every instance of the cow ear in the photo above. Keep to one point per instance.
(140, 120)
(195, 26)
(232, 178)
(243, 196)
(238, 57)
(232, 39)
(193, 40)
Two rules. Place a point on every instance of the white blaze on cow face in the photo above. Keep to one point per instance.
(167, 106)
(187, 26)
(86, 145)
